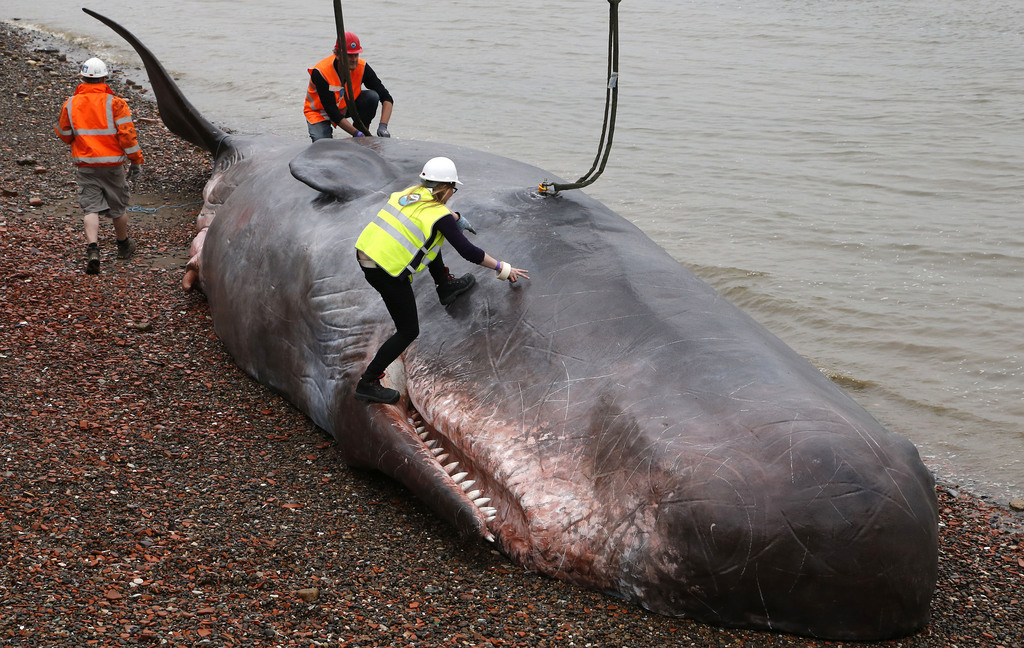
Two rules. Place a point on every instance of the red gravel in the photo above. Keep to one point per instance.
(151, 493)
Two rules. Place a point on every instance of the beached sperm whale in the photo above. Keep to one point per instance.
(613, 422)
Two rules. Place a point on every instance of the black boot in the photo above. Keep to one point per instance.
(126, 248)
(452, 288)
(92, 263)
(370, 389)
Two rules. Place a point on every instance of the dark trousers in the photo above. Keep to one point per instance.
(366, 104)
(401, 304)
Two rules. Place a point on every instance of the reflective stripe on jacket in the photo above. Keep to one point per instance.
(396, 239)
(313, 109)
(98, 126)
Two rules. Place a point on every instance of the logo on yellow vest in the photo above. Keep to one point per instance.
(409, 199)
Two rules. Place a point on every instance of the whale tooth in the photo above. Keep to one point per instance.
(458, 477)
(489, 538)
(491, 518)
(489, 511)
(450, 468)
(474, 494)
(437, 451)
(442, 457)
(481, 501)
(432, 443)
(424, 435)
(466, 484)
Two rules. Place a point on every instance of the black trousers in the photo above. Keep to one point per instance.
(401, 304)
(366, 104)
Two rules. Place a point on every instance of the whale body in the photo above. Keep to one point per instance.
(613, 422)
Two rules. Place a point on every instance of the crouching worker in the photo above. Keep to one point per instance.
(98, 126)
(325, 107)
(404, 238)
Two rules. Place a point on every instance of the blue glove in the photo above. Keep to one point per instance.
(382, 130)
(358, 133)
(464, 223)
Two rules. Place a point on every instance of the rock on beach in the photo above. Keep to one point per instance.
(153, 494)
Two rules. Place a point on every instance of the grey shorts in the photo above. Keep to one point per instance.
(103, 190)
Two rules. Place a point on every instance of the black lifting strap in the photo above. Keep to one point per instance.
(350, 99)
(610, 102)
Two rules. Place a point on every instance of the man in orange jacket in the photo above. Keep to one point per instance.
(98, 126)
(325, 107)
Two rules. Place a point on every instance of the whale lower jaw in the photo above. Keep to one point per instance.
(431, 464)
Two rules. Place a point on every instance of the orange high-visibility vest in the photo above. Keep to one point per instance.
(313, 109)
(98, 126)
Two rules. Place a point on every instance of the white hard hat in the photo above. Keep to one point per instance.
(440, 169)
(94, 69)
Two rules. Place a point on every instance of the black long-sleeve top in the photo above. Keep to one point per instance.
(323, 90)
(449, 229)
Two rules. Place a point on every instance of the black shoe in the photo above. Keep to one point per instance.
(373, 391)
(448, 291)
(126, 248)
(92, 263)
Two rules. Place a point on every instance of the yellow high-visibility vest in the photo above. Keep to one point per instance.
(396, 238)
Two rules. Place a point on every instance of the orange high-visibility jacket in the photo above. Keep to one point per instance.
(98, 126)
(313, 109)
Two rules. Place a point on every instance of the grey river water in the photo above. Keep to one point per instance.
(846, 171)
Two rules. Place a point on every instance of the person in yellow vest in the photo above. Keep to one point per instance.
(98, 126)
(325, 106)
(404, 238)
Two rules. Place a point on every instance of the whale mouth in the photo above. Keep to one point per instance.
(435, 429)
(460, 471)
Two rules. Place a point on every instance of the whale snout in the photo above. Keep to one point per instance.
(834, 538)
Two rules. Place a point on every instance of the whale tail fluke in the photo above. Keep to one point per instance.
(177, 113)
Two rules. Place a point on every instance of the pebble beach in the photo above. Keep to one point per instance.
(151, 493)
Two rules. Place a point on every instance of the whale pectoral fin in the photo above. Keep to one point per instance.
(342, 169)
